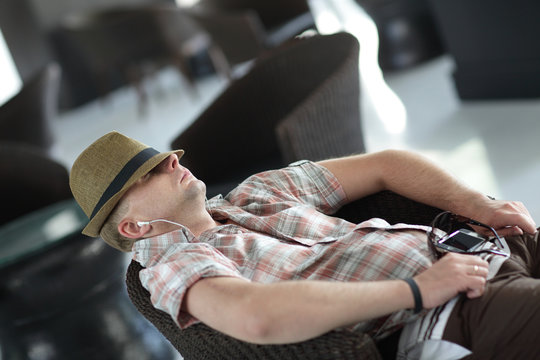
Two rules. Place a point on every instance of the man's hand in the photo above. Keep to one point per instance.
(451, 275)
(506, 217)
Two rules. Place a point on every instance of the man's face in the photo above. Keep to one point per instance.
(169, 191)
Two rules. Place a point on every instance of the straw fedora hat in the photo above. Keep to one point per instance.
(105, 170)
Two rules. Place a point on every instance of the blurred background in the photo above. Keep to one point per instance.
(455, 80)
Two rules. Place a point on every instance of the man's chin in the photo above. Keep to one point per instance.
(199, 187)
(203, 189)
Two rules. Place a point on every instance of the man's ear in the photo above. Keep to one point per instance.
(131, 230)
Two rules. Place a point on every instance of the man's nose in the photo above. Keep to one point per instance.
(170, 163)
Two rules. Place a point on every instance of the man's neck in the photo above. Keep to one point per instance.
(202, 225)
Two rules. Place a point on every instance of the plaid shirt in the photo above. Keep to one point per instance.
(284, 232)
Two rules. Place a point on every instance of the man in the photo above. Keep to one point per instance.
(266, 264)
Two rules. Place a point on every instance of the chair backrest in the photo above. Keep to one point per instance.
(27, 116)
(29, 180)
(236, 135)
(201, 342)
(327, 122)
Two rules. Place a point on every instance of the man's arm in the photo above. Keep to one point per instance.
(292, 311)
(298, 310)
(417, 178)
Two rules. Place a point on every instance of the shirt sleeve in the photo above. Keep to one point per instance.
(169, 280)
(301, 182)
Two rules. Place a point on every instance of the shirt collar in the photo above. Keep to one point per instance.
(146, 249)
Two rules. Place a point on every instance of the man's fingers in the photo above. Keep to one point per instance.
(510, 231)
(477, 269)
(475, 293)
(451, 275)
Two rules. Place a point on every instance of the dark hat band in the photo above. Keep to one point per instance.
(123, 176)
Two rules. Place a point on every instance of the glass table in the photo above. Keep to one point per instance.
(63, 295)
(40, 230)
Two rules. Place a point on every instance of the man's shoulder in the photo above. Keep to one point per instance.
(301, 163)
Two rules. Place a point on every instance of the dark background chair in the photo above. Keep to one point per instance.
(493, 44)
(240, 35)
(300, 101)
(27, 116)
(201, 342)
(109, 48)
(30, 179)
(408, 32)
(282, 19)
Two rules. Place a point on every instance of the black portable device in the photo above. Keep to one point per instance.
(462, 240)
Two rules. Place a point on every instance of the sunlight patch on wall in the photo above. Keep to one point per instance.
(10, 81)
(345, 15)
(325, 16)
(186, 3)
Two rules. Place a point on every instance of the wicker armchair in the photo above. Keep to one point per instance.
(300, 101)
(201, 342)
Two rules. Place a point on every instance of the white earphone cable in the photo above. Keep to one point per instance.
(141, 223)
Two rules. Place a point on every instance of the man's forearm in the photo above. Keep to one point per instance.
(418, 178)
(292, 311)
(322, 306)
(405, 173)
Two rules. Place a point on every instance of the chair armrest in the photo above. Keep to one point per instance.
(343, 345)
